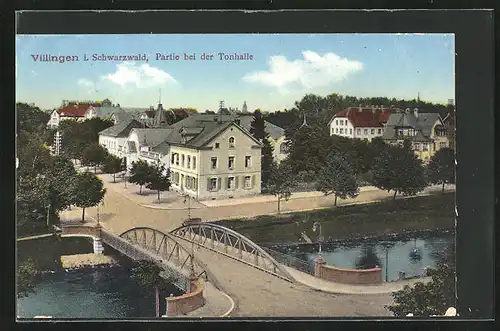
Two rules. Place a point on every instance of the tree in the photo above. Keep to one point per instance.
(258, 130)
(266, 161)
(31, 118)
(281, 182)
(88, 190)
(26, 277)
(432, 298)
(398, 169)
(113, 164)
(94, 155)
(139, 173)
(338, 177)
(148, 275)
(441, 167)
(258, 126)
(158, 179)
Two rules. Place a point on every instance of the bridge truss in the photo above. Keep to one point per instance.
(232, 244)
(167, 249)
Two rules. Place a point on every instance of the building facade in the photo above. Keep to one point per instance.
(426, 132)
(70, 110)
(360, 122)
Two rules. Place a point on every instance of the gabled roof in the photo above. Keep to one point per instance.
(423, 123)
(273, 130)
(75, 109)
(208, 126)
(121, 129)
(152, 137)
(365, 117)
(107, 112)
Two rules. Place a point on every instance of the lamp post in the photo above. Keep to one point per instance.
(187, 198)
(320, 237)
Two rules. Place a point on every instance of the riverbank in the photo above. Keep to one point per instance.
(423, 213)
(76, 261)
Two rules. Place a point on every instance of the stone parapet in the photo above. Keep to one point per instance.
(347, 276)
(186, 303)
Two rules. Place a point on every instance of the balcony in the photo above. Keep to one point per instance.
(150, 155)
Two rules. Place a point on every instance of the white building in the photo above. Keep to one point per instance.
(360, 122)
(70, 110)
(115, 138)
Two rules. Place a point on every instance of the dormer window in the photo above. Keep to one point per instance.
(231, 142)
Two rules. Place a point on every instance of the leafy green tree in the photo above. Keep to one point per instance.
(158, 179)
(398, 169)
(112, 165)
(94, 155)
(89, 191)
(337, 177)
(31, 118)
(441, 167)
(432, 298)
(26, 277)
(258, 126)
(267, 161)
(34, 157)
(281, 182)
(139, 173)
(32, 200)
(148, 275)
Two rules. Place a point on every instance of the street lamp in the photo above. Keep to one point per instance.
(317, 225)
(187, 198)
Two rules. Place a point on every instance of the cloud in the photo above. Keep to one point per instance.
(86, 84)
(312, 71)
(143, 76)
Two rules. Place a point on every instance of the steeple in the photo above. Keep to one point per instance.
(244, 109)
(159, 120)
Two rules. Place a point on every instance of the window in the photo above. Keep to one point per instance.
(214, 162)
(194, 162)
(248, 182)
(442, 144)
(177, 159)
(231, 142)
(213, 184)
(365, 131)
(336, 130)
(416, 146)
(217, 145)
(188, 182)
(176, 178)
(336, 122)
(230, 182)
(189, 162)
(341, 122)
(230, 163)
(350, 131)
(248, 161)
(379, 131)
(172, 158)
(373, 131)
(341, 131)
(358, 131)
(425, 147)
(182, 163)
(283, 148)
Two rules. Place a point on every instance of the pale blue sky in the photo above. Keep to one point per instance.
(283, 69)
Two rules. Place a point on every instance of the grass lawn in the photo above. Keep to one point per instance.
(343, 222)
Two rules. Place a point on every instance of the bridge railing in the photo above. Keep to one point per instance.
(291, 261)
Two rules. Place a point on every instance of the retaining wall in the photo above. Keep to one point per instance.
(348, 276)
(186, 303)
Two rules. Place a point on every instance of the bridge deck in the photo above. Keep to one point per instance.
(259, 294)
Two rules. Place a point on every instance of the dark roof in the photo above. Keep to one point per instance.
(75, 109)
(365, 117)
(423, 123)
(152, 137)
(273, 130)
(121, 129)
(207, 126)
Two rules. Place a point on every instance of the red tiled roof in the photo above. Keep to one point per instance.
(366, 117)
(75, 109)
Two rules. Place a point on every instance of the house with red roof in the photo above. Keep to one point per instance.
(70, 110)
(360, 122)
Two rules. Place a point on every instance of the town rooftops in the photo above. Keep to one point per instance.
(75, 109)
(422, 122)
(121, 129)
(273, 130)
(365, 117)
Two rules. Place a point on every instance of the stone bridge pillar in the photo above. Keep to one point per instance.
(318, 263)
(98, 247)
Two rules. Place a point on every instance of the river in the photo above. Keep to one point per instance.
(86, 293)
